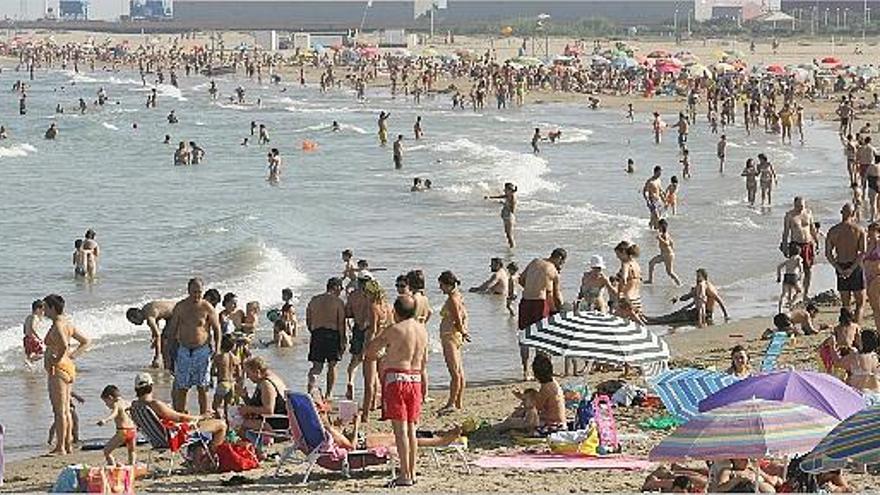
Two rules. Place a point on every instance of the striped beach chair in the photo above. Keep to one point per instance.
(159, 436)
(774, 350)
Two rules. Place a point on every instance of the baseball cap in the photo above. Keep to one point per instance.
(143, 380)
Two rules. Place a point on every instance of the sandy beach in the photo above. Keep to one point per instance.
(703, 348)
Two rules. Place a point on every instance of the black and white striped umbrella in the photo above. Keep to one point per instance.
(596, 336)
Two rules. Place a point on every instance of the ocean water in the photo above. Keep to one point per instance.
(159, 225)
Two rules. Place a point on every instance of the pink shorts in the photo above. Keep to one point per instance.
(402, 395)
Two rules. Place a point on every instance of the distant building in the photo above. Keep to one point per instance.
(375, 14)
(150, 9)
(73, 10)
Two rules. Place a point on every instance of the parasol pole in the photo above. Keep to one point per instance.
(364, 17)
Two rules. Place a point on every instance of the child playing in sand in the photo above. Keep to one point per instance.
(33, 345)
(791, 280)
(126, 432)
(227, 369)
(685, 164)
(667, 253)
(670, 198)
(525, 417)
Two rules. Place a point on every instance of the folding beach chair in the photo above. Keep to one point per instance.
(774, 350)
(160, 437)
(311, 439)
(457, 449)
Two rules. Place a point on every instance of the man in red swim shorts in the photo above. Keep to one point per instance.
(541, 295)
(405, 344)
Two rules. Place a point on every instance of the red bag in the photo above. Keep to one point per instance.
(237, 457)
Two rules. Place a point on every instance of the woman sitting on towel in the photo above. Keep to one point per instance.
(550, 400)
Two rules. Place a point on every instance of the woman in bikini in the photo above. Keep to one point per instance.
(508, 211)
(629, 278)
(381, 316)
(453, 335)
(863, 367)
(871, 268)
(58, 361)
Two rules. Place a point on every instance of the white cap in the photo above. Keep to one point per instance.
(596, 261)
(143, 380)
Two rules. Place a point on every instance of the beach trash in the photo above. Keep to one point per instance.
(752, 429)
(820, 391)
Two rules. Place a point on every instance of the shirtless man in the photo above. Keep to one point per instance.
(799, 232)
(405, 345)
(357, 309)
(705, 296)
(653, 195)
(541, 295)
(195, 328)
(398, 152)
(325, 319)
(151, 313)
(682, 127)
(845, 247)
(90, 244)
(497, 282)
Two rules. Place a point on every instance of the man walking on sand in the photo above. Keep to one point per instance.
(405, 346)
(325, 319)
(799, 232)
(541, 295)
(845, 247)
(195, 327)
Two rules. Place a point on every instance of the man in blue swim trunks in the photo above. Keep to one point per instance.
(195, 327)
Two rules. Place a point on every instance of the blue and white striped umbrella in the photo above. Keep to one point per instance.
(856, 439)
(682, 389)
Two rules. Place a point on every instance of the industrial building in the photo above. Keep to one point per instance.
(150, 9)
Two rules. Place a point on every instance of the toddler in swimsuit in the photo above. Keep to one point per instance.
(126, 432)
(791, 280)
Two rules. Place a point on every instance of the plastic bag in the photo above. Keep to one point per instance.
(237, 457)
(68, 480)
(584, 442)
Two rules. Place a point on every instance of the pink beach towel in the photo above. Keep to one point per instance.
(539, 462)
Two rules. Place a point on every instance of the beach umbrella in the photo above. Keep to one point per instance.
(831, 61)
(660, 53)
(820, 391)
(595, 60)
(775, 69)
(429, 52)
(665, 67)
(526, 61)
(856, 439)
(624, 63)
(596, 336)
(866, 71)
(752, 429)
(799, 74)
(682, 389)
(724, 67)
(700, 70)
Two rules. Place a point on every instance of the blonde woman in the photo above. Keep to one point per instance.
(453, 335)
(381, 316)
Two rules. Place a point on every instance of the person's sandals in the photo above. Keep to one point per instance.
(399, 483)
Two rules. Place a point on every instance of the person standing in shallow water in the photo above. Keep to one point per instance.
(508, 211)
(398, 152)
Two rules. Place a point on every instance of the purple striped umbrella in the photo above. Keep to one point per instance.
(751, 429)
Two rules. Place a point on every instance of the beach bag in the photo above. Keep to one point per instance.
(603, 416)
(68, 480)
(110, 480)
(582, 442)
(237, 457)
(584, 415)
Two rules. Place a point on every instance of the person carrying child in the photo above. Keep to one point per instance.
(126, 432)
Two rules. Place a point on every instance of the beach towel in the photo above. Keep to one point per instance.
(540, 462)
(774, 349)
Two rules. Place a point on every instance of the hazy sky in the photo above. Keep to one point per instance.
(100, 9)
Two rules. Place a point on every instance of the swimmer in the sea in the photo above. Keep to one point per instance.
(172, 118)
(167, 139)
(244, 142)
(52, 131)
(536, 138)
(335, 127)
(417, 185)
(554, 136)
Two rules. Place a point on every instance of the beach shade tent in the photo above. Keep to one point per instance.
(526, 61)
(660, 53)
(598, 337)
(624, 63)
(856, 439)
(681, 390)
(752, 429)
(820, 391)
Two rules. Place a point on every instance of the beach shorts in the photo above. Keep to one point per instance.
(358, 339)
(401, 395)
(807, 250)
(790, 279)
(33, 346)
(324, 346)
(854, 283)
(192, 367)
(532, 311)
(682, 139)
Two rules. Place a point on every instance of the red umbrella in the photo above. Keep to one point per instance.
(667, 67)
(831, 61)
(775, 69)
(661, 53)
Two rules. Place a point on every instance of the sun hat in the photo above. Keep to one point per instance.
(596, 261)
